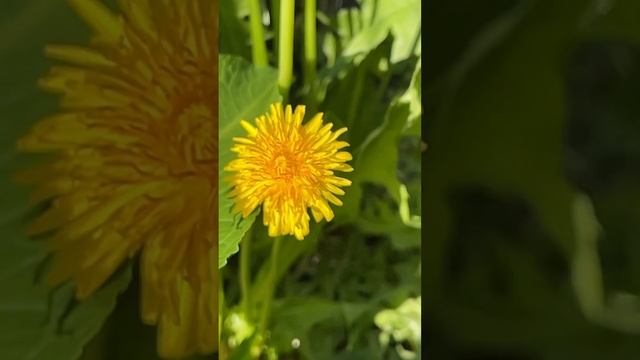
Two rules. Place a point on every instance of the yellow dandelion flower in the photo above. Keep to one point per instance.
(135, 169)
(288, 168)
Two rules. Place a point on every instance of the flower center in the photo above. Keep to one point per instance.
(196, 134)
(287, 166)
(194, 142)
(281, 166)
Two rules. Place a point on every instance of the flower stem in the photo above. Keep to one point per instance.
(221, 315)
(310, 55)
(258, 46)
(266, 308)
(275, 23)
(285, 47)
(245, 272)
(357, 94)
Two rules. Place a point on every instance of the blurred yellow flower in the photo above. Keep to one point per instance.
(288, 168)
(136, 162)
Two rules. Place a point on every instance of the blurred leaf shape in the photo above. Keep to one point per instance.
(622, 311)
(501, 126)
(586, 274)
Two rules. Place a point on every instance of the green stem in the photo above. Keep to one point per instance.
(266, 308)
(310, 55)
(356, 21)
(221, 314)
(285, 44)
(357, 94)
(275, 23)
(344, 28)
(258, 46)
(245, 272)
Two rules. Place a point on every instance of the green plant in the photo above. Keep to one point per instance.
(360, 66)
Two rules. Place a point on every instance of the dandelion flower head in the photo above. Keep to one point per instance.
(135, 165)
(288, 168)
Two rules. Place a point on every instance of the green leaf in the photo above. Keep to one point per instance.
(378, 218)
(234, 37)
(413, 97)
(40, 323)
(354, 94)
(377, 160)
(400, 18)
(245, 92)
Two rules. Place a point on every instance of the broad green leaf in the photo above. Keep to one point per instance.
(377, 158)
(400, 18)
(352, 94)
(245, 92)
(353, 97)
(41, 323)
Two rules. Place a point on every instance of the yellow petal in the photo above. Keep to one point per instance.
(100, 18)
(78, 55)
(250, 129)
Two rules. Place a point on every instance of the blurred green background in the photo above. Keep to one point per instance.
(532, 179)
